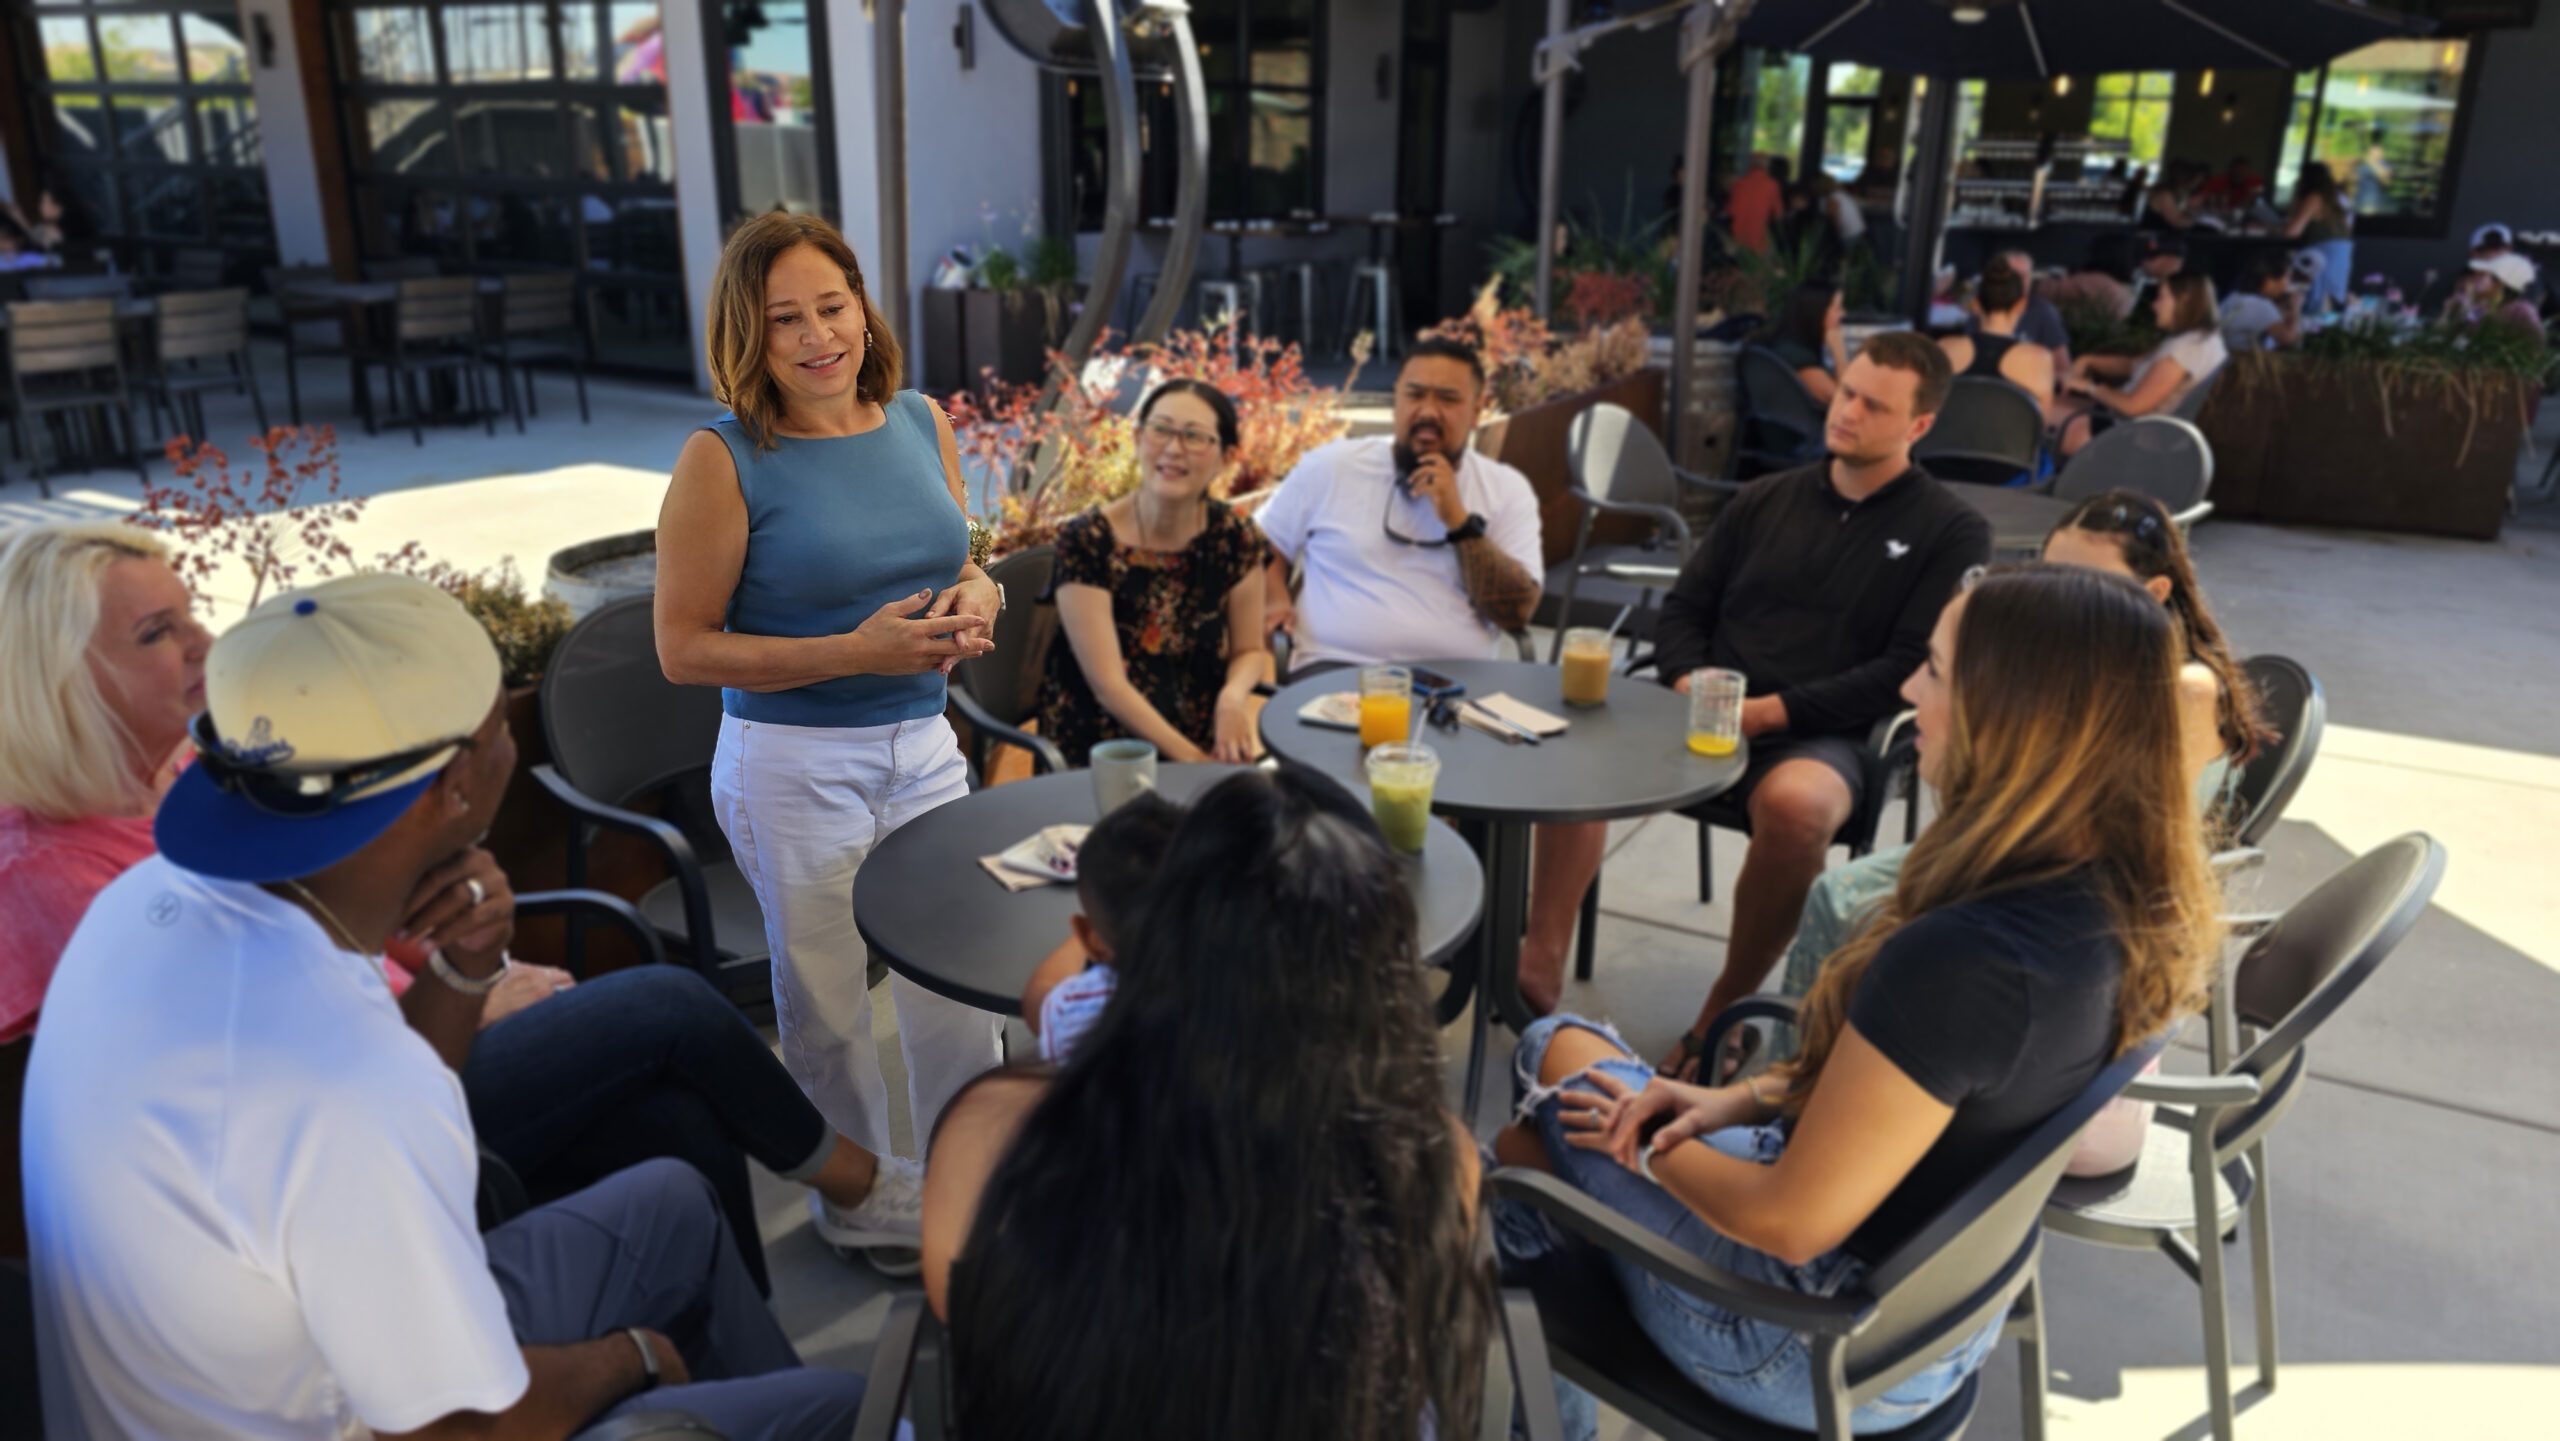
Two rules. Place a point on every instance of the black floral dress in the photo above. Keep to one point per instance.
(1170, 607)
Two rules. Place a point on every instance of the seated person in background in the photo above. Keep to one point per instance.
(1822, 661)
(102, 664)
(1412, 548)
(250, 1181)
(1160, 597)
(1120, 855)
(2042, 322)
(2156, 258)
(2234, 190)
(1244, 1210)
(1806, 335)
(2166, 205)
(2153, 384)
(2265, 313)
(2058, 912)
(1995, 349)
(2495, 293)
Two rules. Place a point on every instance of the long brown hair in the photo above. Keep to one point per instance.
(2063, 755)
(2143, 533)
(2192, 304)
(734, 332)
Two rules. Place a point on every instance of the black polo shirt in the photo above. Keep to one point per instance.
(1822, 601)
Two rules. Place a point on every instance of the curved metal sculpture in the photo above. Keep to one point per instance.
(1117, 43)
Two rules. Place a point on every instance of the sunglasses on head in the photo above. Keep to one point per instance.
(310, 793)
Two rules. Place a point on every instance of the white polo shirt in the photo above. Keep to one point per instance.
(249, 1184)
(1366, 598)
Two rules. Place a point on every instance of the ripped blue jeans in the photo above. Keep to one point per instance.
(1752, 1366)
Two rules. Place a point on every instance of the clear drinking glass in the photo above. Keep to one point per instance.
(1586, 666)
(1386, 704)
(1401, 775)
(1715, 711)
(1122, 771)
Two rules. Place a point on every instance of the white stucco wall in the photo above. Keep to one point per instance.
(697, 176)
(284, 135)
(973, 148)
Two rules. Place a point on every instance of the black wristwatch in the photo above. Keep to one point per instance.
(1472, 528)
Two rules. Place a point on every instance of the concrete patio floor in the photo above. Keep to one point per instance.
(2414, 1184)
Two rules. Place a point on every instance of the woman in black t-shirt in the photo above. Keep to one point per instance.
(2057, 911)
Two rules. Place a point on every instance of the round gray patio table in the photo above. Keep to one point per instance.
(2020, 518)
(928, 909)
(1630, 757)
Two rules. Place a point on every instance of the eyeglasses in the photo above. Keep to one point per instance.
(300, 796)
(1387, 522)
(1163, 434)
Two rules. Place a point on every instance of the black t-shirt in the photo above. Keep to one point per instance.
(2003, 1007)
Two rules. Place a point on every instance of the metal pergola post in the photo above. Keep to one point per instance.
(1553, 62)
(1922, 231)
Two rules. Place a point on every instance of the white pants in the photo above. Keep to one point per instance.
(802, 806)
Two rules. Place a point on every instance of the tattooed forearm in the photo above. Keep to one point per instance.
(1502, 589)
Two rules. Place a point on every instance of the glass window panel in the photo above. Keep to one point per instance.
(2386, 123)
(1280, 150)
(228, 125)
(1846, 129)
(168, 205)
(395, 47)
(139, 47)
(773, 119)
(1224, 202)
(82, 121)
(1777, 114)
(648, 146)
(511, 137)
(152, 127)
(419, 222)
(240, 214)
(588, 154)
(524, 229)
(407, 136)
(215, 55)
(643, 325)
(1849, 79)
(639, 47)
(581, 57)
(639, 236)
(493, 44)
(94, 191)
(1287, 65)
(66, 49)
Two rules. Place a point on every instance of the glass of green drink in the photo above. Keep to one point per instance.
(1400, 778)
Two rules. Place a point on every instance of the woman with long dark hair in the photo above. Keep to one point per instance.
(1806, 335)
(1160, 596)
(2057, 912)
(2321, 220)
(1242, 1210)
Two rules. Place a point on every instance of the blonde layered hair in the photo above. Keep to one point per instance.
(64, 752)
(2063, 754)
(734, 333)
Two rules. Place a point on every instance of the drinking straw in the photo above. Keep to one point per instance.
(1612, 632)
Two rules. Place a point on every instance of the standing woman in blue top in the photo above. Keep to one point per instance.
(814, 563)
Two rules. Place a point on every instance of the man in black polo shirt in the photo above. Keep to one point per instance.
(1820, 585)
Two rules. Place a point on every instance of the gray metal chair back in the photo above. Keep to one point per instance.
(617, 727)
(2160, 456)
(1005, 682)
(1788, 420)
(57, 337)
(442, 308)
(2190, 406)
(1990, 431)
(1617, 457)
(79, 287)
(2291, 702)
(538, 303)
(198, 324)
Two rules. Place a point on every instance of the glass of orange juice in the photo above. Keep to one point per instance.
(1386, 705)
(1715, 711)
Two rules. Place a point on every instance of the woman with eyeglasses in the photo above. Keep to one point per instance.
(1160, 596)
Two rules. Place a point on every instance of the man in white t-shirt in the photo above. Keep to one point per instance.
(1412, 548)
(250, 1173)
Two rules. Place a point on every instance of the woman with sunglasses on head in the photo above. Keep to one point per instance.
(2059, 912)
(1160, 595)
(101, 673)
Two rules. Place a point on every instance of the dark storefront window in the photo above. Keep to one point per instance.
(1262, 62)
(143, 116)
(520, 137)
(2387, 120)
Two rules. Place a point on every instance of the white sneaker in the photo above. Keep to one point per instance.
(884, 1228)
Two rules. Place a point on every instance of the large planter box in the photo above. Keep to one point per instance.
(1534, 442)
(970, 335)
(2351, 446)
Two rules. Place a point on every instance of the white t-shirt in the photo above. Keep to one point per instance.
(1367, 599)
(249, 1184)
(2198, 352)
(2246, 319)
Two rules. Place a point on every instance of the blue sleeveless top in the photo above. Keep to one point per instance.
(837, 528)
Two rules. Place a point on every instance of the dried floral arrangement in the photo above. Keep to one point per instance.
(1526, 363)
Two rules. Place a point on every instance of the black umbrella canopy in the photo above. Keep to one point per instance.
(2038, 39)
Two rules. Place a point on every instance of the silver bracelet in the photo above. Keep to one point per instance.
(1644, 1164)
(458, 981)
(648, 1358)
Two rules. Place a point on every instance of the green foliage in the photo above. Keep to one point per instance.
(998, 270)
(1053, 262)
(1632, 249)
(2096, 329)
(2445, 351)
(525, 628)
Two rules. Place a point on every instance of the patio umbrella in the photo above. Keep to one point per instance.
(2039, 39)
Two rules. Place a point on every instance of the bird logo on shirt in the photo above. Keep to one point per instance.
(1896, 549)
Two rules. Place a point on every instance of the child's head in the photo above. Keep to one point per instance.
(1118, 858)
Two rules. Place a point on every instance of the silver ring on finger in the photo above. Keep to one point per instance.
(479, 893)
